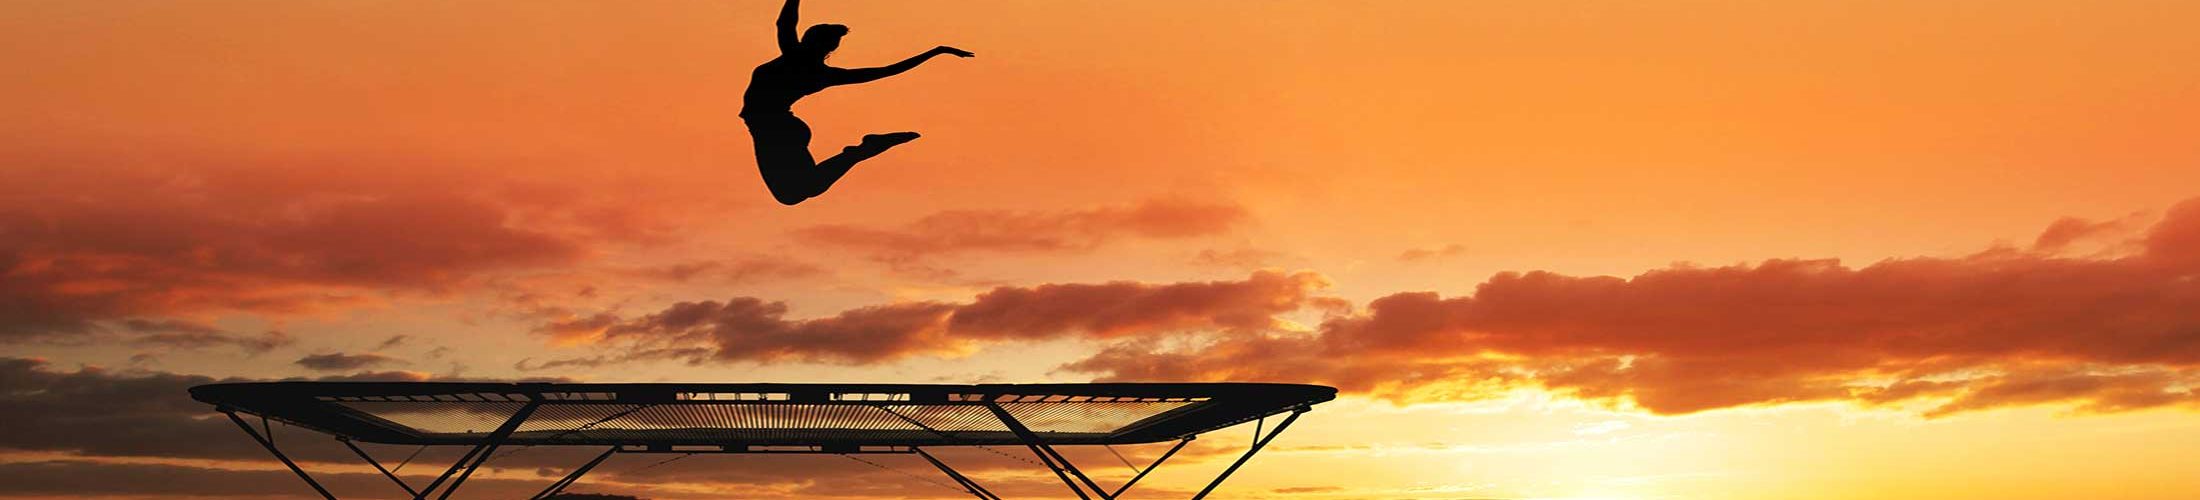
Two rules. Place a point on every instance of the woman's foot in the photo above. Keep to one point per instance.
(872, 145)
(882, 141)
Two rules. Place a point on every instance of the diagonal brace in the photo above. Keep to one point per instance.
(270, 445)
(573, 477)
(1150, 467)
(480, 453)
(1048, 455)
(1257, 445)
(378, 466)
(1038, 447)
(967, 483)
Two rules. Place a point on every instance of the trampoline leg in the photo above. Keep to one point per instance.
(1249, 453)
(270, 445)
(965, 481)
(1044, 452)
(378, 466)
(569, 479)
(1150, 467)
(480, 453)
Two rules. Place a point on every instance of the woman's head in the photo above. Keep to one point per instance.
(821, 40)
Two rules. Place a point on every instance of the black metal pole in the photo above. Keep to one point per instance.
(575, 476)
(270, 445)
(1031, 440)
(495, 439)
(1080, 473)
(1150, 467)
(1249, 454)
(378, 466)
(966, 482)
(447, 473)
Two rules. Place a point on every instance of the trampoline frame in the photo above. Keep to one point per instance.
(1223, 405)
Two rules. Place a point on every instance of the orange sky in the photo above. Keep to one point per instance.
(1548, 249)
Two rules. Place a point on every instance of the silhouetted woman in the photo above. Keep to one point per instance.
(782, 140)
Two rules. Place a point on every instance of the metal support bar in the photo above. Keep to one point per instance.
(1031, 440)
(1249, 453)
(965, 481)
(490, 447)
(573, 477)
(1150, 467)
(270, 445)
(378, 466)
(1073, 470)
(447, 473)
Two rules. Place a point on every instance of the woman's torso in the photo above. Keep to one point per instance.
(777, 84)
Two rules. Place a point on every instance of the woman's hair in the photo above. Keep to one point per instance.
(823, 39)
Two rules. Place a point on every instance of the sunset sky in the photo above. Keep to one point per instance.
(1580, 249)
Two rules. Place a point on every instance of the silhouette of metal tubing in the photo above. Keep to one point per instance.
(270, 445)
(1040, 448)
(1150, 467)
(1178, 411)
(574, 476)
(378, 466)
(1249, 452)
(966, 482)
(481, 453)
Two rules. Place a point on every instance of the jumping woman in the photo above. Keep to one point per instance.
(782, 140)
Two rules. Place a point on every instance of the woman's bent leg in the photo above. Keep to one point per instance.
(830, 170)
(783, 157)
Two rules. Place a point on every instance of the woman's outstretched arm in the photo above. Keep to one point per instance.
(787, 20)
(863, 75)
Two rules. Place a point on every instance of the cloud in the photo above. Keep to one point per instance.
(1432, 254)
(1002, 231)
(336, 362)
(176, 334)
(1123, 308)
(96, 412)
(393, 342)
(755, 330)
(1998, 328)
(733, 270)
(1239, 258)
(89, 239)
(77, 478)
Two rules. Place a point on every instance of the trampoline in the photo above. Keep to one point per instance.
(761, 419)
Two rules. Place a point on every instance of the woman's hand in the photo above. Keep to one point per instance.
(943, 49)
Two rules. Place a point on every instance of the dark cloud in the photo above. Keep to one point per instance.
(1998, 328)
(93, 237)
(2067, 231)
(75, 478)
(751, 329)
(337, 361)
(99, 412)
(393, 342)
(205, 338)
(1126, 308)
